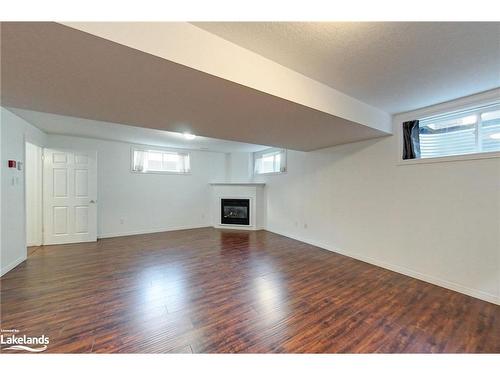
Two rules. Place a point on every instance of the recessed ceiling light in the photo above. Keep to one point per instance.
(189, 136)
(495, 136)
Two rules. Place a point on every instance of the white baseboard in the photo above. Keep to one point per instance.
(31, 244)
(400, 269)
(149, 231)
(12, 265)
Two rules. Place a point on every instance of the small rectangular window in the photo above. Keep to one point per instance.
(160, 161)
(490, 131)
(270, 161)
(472, 131)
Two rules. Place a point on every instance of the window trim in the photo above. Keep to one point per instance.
(444, 159)
(459, 105)
(270, 150)
(159, 149)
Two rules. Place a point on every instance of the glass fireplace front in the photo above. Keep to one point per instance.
(235, 211)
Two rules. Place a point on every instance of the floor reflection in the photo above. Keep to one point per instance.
(270, 296)
(160, 288)
(228, 239)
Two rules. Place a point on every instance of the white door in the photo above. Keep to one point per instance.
(69, 196)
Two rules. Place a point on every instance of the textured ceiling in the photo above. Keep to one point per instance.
(395, 66)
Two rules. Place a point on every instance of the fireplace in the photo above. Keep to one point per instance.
(235, 211)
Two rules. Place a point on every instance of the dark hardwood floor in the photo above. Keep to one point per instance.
(207, 290)
(33, 249)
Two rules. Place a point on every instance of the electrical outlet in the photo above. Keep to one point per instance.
(122, 221)
(305, 226)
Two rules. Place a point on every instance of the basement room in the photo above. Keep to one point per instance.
(250, 187)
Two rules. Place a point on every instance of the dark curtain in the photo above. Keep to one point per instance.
(411, 140)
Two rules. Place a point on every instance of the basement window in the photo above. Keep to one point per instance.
(160, 161)
(270, 161)
(468, 132)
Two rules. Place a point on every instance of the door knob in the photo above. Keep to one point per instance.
(92, 201)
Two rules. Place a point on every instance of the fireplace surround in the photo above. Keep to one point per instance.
(238, 205)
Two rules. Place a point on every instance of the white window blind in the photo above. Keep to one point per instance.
(270, 161)
(159, 161)
(460, 133)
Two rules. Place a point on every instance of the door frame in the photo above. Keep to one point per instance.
(38, 187)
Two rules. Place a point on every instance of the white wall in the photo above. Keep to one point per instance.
(239, 167)
(131, 203)
(13, 241)
(438, 222)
